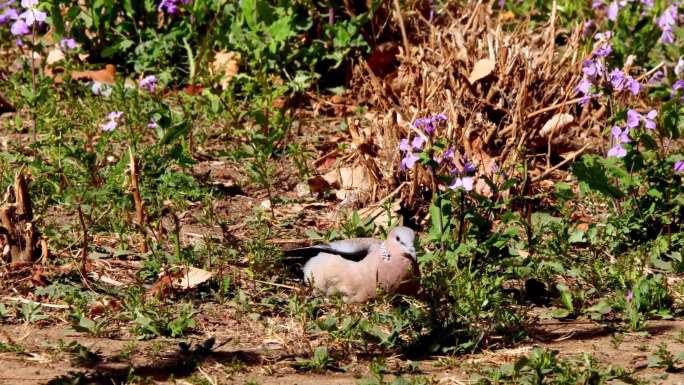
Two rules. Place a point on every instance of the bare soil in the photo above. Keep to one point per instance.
(236, 359)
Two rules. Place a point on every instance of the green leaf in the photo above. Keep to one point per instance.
(248, 10)
(565, 297)
(559, 313)
(576, 236)
(591, 173)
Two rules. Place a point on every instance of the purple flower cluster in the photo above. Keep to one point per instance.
(67, 44)
(171, 6)
(621, 136)
(666, 21)
(113, 120)
(429, 124)
(148, 83)
(462, 177)
(620, 81)
(22, 22)
(411, 149)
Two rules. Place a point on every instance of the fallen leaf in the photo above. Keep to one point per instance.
(556, 123)
(481, 69)
(54, 56)
(193, 89)
(105, 76)
(225, 65)
(349, 177)
(191, 278)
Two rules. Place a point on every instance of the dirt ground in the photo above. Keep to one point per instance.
(238, 361)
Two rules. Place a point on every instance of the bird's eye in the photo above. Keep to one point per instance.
(398, 238)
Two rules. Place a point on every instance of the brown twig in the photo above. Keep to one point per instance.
(402, 27)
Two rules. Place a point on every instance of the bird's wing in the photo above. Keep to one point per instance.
(354, 249)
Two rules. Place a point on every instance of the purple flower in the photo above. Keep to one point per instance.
(409, 161)
(417, 143)
(425, 124)
(617, 151)
(108, 126)
(668, 18)
(152, 123)
(603, 50)
(678, 85)
(656, 77)
(620, 135)
(149, 83)
(171, 6)
(630, 296)
(617, 79)
(679, 167)
(633, 118)
(589, 68)
(464, 182)
(9, 14)
(114, 115)
(29, 3)
(112, 121)
(679, 68)
(101, 89)
(439, 118)
(33, 16)
(649, 119)
(19, 28)
(633, 85)
(612, 11)
(7, 4)
(603, 47)
(584, 86)
(666, 21)
(447, 156)
(67, 44)
(667, 36)
(596, 4)
(404, 145)
(647, 3)
(468, 167)
(588, 27)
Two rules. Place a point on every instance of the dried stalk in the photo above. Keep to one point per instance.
(19, 233)
(139, 206)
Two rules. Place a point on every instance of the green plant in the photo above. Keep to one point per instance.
(545, 367)
(320, 360)
(32, 312)
(80, 355)
(663, 358)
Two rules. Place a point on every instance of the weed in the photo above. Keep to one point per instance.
(79, 354)
(544, 366)
(663, 358)
(32, 312)
(319, 361)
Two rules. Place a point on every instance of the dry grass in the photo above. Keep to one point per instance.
(494, 120)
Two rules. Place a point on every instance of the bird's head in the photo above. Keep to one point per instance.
(404, 238)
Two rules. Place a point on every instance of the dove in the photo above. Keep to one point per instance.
(356, 268)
